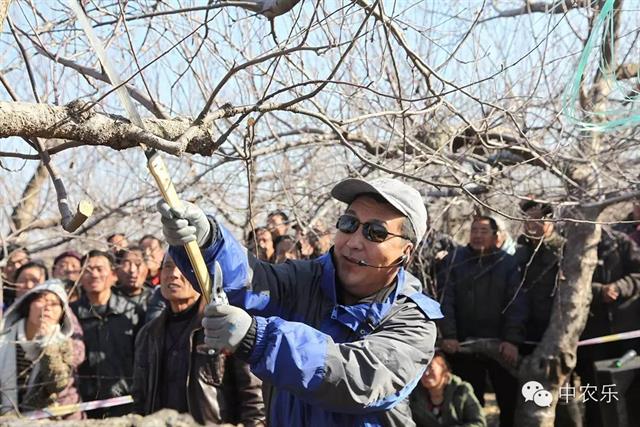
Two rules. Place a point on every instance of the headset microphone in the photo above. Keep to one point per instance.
(397, 263)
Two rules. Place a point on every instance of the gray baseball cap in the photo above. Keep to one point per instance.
(401, 196)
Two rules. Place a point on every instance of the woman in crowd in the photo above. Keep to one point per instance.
(443, 399)
(38, 356)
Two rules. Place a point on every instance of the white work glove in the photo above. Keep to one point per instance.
(225, 326)
(186, 225)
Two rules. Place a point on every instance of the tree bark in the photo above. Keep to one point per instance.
(73, 122)
(25, 211)
(555, 357)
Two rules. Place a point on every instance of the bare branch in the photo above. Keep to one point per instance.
(46, 121)
(556, 7)
(150, 104)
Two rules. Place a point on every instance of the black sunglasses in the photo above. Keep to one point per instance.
(372, 231)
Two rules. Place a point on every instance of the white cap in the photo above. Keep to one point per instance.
(401, 196)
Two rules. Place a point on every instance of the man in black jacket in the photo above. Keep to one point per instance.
(538, 254)
(481, 301)
(171, 373)
(110, 323)
(615, 307)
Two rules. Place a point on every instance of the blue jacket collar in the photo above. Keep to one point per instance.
(361, 315)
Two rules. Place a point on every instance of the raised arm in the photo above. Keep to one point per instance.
(258, 287)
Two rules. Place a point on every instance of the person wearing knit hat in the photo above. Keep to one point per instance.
(38, 355)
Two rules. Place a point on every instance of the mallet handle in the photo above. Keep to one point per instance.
(158, 169)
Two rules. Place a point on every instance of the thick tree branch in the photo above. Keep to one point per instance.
(47, 121)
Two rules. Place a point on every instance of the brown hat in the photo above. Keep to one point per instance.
(545, 208)
(65, 254)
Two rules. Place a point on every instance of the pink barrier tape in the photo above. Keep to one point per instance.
(609, 338)
(57, 411)
(591, 341)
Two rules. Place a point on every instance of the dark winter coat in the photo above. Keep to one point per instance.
(619, 264)
(538, 262)
(477, 289)
(220, 389)
(109, 341)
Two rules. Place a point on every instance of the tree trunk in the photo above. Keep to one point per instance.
(555, 357)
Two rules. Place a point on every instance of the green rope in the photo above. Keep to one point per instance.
(607, 120)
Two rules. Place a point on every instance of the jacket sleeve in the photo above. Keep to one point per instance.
(140, 373)
(515, 311)
(259, 287)
(251, 410)
(472, 415)
(629, 284)
(371, 374)
(447, 325)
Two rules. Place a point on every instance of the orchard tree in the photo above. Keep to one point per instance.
(264, 105)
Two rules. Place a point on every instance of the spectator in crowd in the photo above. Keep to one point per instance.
(278, 223)
(343, 338)
(320, 240)
(286, 248)
(16, 257)
(29, 275)
(260, 243)
(312, 243)
(38, 355)
(170, 374)
(153, 255)
(505, 241)
(132, 271)
(480, 301)
(538, 254)
(615, 307)
(631, 224)
(436, 248)
(156, 303)
(442, 399)
(67, 267)
(117, 242)
(110, 323)
(302, 241)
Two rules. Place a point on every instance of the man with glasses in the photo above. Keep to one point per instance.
(343, 338)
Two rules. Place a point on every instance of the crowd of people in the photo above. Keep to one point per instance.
(111, 322)
(123, 319)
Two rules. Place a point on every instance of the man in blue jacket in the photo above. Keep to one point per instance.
(343, 338)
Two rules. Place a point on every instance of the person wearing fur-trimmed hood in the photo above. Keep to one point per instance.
(38, 357)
